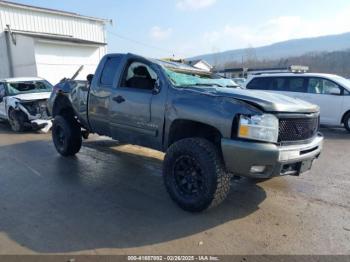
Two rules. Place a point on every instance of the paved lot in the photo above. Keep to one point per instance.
(110, 200)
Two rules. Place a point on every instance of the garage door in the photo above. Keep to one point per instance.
(58, 60)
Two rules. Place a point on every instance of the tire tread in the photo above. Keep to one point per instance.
(212, 154)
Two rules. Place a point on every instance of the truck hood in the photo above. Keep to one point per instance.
(33, 96)
(269, 102)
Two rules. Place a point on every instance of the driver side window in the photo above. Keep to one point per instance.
(330, 88)
(140, 76)
(323, 86)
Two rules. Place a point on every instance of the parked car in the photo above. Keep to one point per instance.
(23, 102)
(207, 131)
(330, 92)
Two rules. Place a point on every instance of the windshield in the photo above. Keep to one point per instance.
(183, 78)
(25, 87)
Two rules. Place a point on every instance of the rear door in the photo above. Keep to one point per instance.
(2, 101)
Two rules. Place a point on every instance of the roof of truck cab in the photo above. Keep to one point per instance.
(21, 79)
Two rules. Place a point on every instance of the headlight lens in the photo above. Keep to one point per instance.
(259, 127)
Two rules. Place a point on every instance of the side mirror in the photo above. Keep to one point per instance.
(89, 78)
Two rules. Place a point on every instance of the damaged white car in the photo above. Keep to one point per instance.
(23, 102)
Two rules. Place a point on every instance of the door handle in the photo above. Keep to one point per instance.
(119, 99)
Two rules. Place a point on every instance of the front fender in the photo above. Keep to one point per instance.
(218, 112)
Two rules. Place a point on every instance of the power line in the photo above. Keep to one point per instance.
(142, 44)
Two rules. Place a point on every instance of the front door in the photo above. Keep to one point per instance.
(328, 96)
(130, 106)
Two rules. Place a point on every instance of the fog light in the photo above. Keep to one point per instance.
(257, 169)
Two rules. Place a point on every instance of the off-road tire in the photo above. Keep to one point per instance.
(216, 179)
(347, 122)
(66, 135)
(17, 120)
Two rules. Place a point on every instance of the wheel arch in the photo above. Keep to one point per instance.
(344, 115)
(63, 106)
(183, 128)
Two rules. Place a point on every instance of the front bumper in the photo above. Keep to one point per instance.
(271, 160)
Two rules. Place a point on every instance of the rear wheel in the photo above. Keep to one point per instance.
(17, 120)
(347, 121)
(194, 174)
(66, 135)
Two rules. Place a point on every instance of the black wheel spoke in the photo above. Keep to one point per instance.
(188, 176)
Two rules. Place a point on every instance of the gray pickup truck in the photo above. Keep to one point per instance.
(208, 130)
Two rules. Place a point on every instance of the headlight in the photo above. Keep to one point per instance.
(259, 127)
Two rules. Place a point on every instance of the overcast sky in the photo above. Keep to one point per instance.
(161, 28)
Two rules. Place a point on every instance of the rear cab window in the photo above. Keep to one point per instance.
(110, 69)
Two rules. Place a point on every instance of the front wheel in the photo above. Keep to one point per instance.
(66, 135)
(347, 121)
(194, 175)
(17, 120)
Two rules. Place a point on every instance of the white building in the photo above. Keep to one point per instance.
(48, 43)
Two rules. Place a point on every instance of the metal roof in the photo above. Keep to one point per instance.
(53, 11)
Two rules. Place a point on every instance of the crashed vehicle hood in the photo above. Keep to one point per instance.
(269, 102)
(33, 96)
